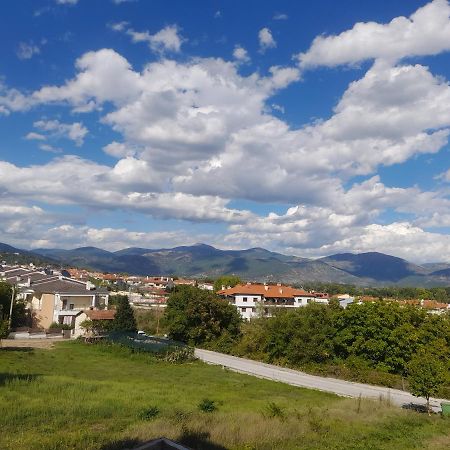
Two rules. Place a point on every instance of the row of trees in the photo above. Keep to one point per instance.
(384, 337)
(441, 294)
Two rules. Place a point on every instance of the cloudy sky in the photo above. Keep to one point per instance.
(309, 128)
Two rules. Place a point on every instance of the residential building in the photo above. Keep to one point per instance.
(61, 300)
(253, 299)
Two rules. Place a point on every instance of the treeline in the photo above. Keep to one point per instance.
(441, 294)
(371, 342)
(380, 335)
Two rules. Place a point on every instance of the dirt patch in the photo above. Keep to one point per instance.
(30, 343)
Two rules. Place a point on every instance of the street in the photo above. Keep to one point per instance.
(296, 378)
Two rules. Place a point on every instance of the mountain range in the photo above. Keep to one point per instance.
(257, 264)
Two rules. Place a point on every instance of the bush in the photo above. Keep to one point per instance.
(273, 410)
(179, 355)
(197, 317)
(207, 405)
(149, 413)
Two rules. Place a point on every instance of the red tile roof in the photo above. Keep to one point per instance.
(268, 291)
(102, 314)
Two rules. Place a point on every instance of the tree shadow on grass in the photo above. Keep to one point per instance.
(8, 377)
(415, 407)
(124, 444)
(16, 349)
(198, 441)
(193, 440)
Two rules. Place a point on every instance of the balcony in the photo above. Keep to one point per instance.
(279, 303)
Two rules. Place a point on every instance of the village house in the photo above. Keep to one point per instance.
(253, 299)
(53, 298)
(62, 299)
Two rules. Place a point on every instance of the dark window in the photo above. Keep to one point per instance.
(243, 309)
(244, 299)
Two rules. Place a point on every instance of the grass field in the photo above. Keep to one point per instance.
(79, 396)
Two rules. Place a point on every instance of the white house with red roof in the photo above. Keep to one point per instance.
(253, 299)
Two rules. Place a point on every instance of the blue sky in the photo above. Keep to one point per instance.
(309, 128)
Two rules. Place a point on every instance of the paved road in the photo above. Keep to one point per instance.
(296, 378)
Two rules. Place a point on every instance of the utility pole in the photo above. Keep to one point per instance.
(13, 294)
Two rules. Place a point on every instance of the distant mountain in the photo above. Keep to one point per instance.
(375, 266)
(12, 255)
(256, 264)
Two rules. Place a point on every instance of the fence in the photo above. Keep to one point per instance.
(144, 343)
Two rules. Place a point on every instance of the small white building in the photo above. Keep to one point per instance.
(254, 300)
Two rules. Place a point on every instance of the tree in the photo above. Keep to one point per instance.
(197, 316)
(226, 281)
(426, 375)
(5, 300)
(124, 319)
(4, 330)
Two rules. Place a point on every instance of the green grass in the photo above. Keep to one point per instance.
(91, 397)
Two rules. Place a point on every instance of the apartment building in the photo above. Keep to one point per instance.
(253, 299)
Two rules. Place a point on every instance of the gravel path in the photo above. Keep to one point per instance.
(30, 343)
(296, 378)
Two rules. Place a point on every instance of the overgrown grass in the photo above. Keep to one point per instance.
(93, 397)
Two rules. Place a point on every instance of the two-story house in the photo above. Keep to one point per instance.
(62, 299)
(253, 299)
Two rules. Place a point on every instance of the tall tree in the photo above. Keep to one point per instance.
(5, 300)
(426, 375)
(124, 319)
(197, 316)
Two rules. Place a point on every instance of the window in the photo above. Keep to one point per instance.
(243, 309)
(64, 304)
(71, 306)
(255, 299)
(244, 299)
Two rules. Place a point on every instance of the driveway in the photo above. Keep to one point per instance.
(296, 378)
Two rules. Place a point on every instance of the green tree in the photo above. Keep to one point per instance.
(426, 375)
(226, 281)
(4, 330)
(5, 300)
(197, 316)
(124, 319)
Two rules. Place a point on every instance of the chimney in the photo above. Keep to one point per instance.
(278, 284)
(266, 287)
(281, 291)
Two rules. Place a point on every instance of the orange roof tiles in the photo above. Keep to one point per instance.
(102, 314)
(268, 291)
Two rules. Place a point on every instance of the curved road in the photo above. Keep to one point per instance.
(296, 378)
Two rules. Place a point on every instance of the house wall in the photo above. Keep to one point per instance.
(42, 310)
(247, 305)
(303, 301)
(78, 331)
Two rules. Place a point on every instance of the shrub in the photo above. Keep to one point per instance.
(149, 413)
(179, 355)
(207, 405)
(273, 410)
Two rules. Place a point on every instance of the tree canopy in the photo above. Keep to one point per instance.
(426, 375)
(197, 316)
(124, 319)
